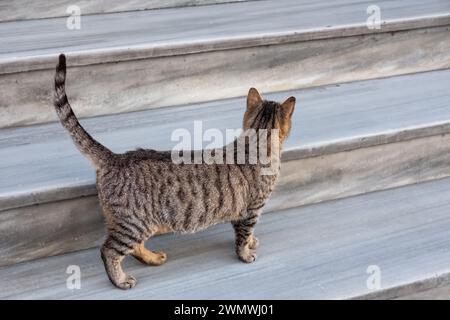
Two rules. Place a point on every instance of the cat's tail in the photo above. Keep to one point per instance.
(96, 152)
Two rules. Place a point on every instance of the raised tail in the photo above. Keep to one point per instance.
(91, 148)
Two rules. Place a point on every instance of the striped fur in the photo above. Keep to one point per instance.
(143, 192)
(96, 152)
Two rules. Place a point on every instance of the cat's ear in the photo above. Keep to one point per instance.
(253, 99)
(288, 107)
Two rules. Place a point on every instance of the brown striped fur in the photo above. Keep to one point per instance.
(143, 192)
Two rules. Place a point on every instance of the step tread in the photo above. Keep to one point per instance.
(181, 30)
(327, 119)
(318, 251)
(41, 9)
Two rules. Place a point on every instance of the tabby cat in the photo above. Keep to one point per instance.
(143, 192)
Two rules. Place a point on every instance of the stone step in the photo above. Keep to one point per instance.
(347, 139)
(41, 9)
(330, 250)
(138, 60)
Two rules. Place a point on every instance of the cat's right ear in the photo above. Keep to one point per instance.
(288, 106)
(253, 99)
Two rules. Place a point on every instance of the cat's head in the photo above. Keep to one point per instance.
(263, 114)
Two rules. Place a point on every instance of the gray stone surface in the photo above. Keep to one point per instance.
(344, 174)
(39, 9)
(50, 229)
(439, 293)
(40, 159)
(26, 97)
(195, 29)
(346, 140)
(164, 62)
(318, 251)
(433, 287)
(46, 229)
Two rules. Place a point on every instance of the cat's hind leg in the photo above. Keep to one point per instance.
(113, 251)
(125, 236)
(246, 243)
(149, 257)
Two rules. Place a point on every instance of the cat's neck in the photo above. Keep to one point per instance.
(255, 150)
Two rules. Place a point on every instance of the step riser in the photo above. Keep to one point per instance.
(58, 227)
(50, 229)
(27, 10)
(360, 171)
(406, 290)
(182, 79)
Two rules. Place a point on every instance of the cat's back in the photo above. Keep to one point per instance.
(207, 193)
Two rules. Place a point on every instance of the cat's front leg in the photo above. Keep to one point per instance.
(246, 243)
(254, 242)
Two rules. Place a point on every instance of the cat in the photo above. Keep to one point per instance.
(143, 192)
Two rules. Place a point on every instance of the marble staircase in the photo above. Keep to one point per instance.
(330, 250)
(43, 9)
(128, 61)
(371, 135)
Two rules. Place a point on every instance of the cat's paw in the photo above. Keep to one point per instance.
(151, 258)
(159, 259)
(254, 243)
(247, 256)
(128, 283)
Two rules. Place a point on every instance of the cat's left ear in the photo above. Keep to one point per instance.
(288, 107)
(253, 99)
